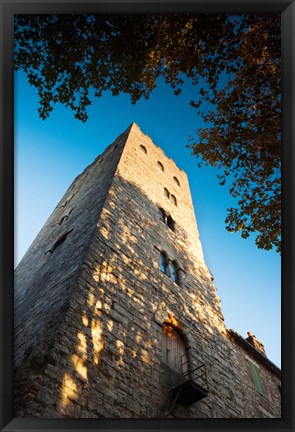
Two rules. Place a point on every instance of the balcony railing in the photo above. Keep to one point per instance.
(193, 386)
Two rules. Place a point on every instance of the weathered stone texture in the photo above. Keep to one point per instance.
(91, 314)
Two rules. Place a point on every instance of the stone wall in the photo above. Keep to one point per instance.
(47, 274)
(106, 358)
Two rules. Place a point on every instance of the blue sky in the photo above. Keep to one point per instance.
(50, 154)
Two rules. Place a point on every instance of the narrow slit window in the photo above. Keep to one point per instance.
(166, 193)
(160, 165)
(63, 219)
(142, 147)
(174, 200)
(59, 241)
(176, 181)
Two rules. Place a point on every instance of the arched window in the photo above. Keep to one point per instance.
(170, 223)
(163, 262)
(172, 271)
(143, 148)
(176, 181)
(166, 192)
(174, 200)
(174, 353)
(160, 165)
(170, 268)
(167, 219)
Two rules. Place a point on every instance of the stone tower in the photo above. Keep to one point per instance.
(116, 313)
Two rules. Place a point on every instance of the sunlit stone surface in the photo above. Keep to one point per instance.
(91, 301)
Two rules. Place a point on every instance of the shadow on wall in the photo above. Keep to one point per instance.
(121, 288)
(109, 349)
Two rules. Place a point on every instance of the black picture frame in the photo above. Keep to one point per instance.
(7, 421)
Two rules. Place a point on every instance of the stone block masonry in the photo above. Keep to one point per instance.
(96, 289)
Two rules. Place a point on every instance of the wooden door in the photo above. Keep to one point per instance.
(173, 349)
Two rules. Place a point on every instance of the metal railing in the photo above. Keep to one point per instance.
(195, 373)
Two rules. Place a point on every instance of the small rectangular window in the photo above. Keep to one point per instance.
(257, 379)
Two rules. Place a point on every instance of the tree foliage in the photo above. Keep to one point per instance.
(238, 57)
